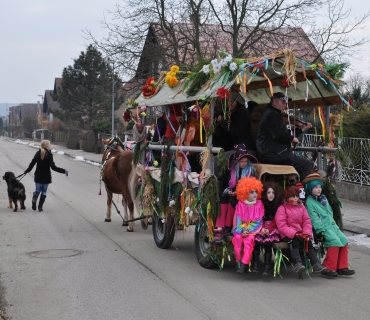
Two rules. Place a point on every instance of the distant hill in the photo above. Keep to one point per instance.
(3, 107)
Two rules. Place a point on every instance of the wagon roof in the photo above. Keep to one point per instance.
(314, 87)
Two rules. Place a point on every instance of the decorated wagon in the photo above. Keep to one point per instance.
(177, 196)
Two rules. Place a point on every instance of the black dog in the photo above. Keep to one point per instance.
(16, 191)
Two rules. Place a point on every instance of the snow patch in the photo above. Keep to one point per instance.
(97, 164)
(79, 158)
(20, 142)
(360, 239)
(60, 152)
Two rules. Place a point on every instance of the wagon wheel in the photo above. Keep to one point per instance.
(163, 231)
(203, 246)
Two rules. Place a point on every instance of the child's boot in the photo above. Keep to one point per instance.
(241, 268)
(316, 265)
(256, 259)
(267, 271)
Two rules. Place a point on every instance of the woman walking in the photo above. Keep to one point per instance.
(44, 162)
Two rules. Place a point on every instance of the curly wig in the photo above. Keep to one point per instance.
(246, 185)
(278, 200)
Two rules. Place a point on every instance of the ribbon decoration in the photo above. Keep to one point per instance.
(209, 223)
(322, 121)
(270, 84)
(201, 123)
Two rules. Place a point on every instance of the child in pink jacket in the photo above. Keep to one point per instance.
(294, 225)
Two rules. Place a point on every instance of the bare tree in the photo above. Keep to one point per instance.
(184, 32)
(358, 89)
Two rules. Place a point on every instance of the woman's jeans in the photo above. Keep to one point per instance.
(42, 188)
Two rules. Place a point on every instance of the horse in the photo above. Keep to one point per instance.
(119, 176)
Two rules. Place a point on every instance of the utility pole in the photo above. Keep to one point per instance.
(42, 115)
(113, 83)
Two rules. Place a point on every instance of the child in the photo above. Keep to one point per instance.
(295, 228)
(271, 199)
(240, 166)
(247, 220)
(327, 231)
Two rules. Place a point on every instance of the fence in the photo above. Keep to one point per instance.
(355, 158)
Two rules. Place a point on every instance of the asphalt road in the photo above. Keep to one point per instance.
(121, 275)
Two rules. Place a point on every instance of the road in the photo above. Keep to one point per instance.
(122, 275)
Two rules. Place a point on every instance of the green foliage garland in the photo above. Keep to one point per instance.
(221, 162)
(331, 194)
(200, 79)
(210, 194)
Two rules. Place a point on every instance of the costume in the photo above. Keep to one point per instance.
(228, 202)
(274, 142)
(270, 224)
(247, 219)
(295, 228)
(330, 235)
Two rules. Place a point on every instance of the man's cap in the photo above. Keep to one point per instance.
(280, 96)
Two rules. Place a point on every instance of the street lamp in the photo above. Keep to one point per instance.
(42, 115)
(113, 83)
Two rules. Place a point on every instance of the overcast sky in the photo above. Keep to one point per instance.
(40, 37)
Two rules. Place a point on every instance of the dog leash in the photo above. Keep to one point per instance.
(21, 175)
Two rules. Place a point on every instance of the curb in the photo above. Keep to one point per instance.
(351, 227)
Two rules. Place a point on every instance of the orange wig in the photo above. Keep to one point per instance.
(246, 185)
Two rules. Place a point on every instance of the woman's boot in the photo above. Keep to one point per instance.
(256, 259)
(268, 257)
(41, 202)
(34, 199)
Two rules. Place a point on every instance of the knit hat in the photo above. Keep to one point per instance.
(312, 184)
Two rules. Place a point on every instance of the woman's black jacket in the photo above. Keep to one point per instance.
(42, 172)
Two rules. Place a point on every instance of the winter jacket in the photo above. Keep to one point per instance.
(42, 172)
(240, 127)
(291, 219)
(274, 139)
(323, 221)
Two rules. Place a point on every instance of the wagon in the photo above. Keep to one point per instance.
(177, 197)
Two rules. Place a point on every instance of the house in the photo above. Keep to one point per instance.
(159, 53)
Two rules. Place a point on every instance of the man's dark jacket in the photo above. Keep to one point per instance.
(274, 139)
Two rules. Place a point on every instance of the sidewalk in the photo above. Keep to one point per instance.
(356, 215)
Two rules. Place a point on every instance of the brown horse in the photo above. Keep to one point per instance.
(119, 176)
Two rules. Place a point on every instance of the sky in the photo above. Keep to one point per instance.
(41, 37)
